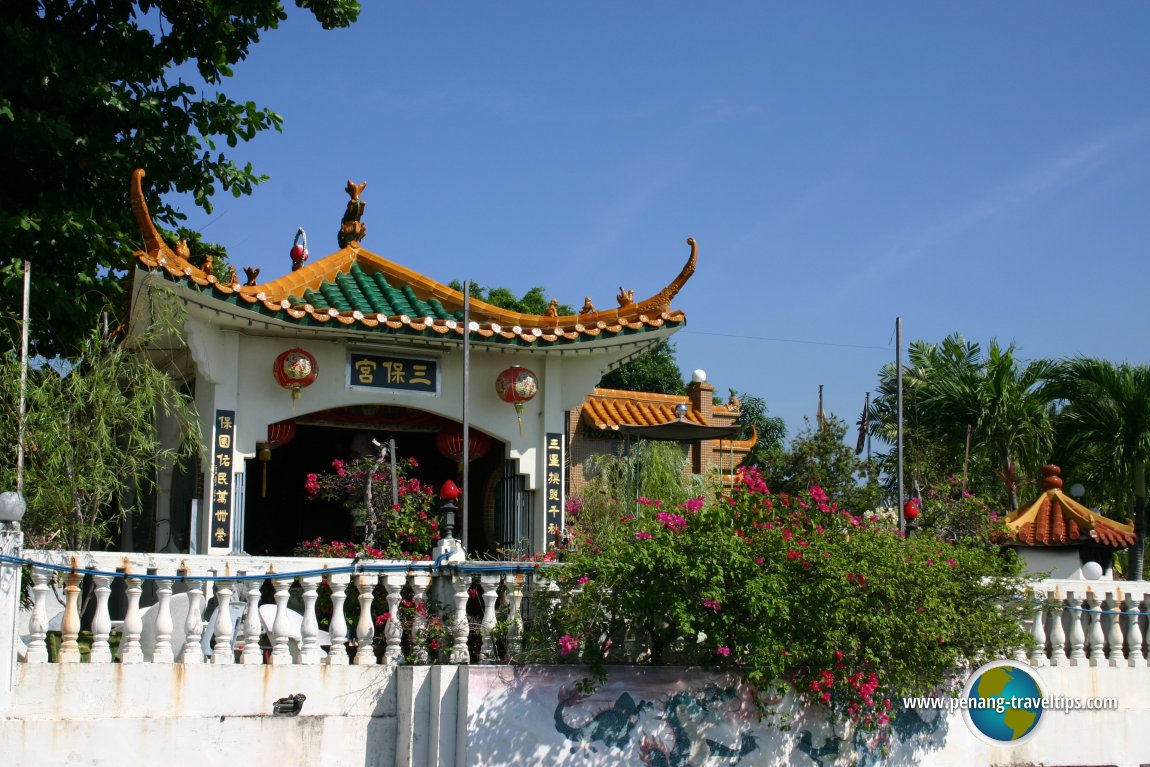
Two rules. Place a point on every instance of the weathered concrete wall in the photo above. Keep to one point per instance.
(199, 716)
(204, 715)
(677, 717)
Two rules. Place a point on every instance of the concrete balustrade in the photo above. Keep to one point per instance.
(266, 611)
(1094, 623)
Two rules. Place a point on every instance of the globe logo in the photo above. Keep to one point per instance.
(1003, 703)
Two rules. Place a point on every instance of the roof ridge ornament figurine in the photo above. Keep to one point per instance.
(299, 252)
(351, 229)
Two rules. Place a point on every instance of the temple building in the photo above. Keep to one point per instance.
(352, 351)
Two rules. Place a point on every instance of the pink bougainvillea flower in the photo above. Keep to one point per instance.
(567, 643)
(642, 536)
(724, 651)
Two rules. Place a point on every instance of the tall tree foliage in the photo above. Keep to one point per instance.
(93, 446)
(770, 430)
(534, 301)
(1104, 428)
(90, 92)
(820, 457)
(655, 370)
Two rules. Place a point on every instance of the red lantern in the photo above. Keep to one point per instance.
(295, 369)
(910, 511)
(449, 442)
(517, 385)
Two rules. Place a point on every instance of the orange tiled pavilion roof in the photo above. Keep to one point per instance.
(619, 410)
(362, 291)
(1056, 519)
(609, 409)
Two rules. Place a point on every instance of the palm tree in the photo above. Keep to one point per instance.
(1104, 424)
(951, 391)
(1006, 406)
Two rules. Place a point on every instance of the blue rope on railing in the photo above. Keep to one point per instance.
(353, 567)
(1101, 612)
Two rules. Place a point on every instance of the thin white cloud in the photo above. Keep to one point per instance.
(1070, 167)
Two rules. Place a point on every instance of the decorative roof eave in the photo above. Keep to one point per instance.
(1056, 519)
(611, 409)
(741, 445)
(279, 298)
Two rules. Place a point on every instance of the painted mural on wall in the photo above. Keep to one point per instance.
(665, 717)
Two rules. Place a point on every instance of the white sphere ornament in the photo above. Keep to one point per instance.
(1091, 571)
(12, 506)
(699, 376)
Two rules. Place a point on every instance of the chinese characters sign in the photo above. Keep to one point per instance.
(220, 479)
(400, 373)
(553, 486)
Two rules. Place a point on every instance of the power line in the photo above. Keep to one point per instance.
(786, 340)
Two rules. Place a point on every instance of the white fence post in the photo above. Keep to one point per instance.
(11, 545)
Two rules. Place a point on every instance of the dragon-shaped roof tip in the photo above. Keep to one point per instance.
(154, 244)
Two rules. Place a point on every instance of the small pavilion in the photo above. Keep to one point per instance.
(1059, 535)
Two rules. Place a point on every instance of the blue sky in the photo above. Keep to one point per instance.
(974, 167)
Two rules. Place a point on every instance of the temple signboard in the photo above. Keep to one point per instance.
(393, 372)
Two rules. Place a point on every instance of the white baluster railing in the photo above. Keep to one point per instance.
(184, 609)
(1097, 623)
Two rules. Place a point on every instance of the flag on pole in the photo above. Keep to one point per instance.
(863, 424)
(819, 417)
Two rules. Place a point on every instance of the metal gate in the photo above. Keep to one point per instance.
(513, 505)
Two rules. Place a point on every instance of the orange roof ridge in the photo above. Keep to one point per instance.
(638, 395)
(653, 311)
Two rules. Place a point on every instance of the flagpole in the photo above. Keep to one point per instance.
(23, 379)
(466, 407)
(898, 365)
(819, 416)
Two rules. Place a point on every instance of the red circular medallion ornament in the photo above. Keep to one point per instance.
(295, 369)
(910, 511)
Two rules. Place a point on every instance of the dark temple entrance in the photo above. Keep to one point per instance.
(280, 514)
